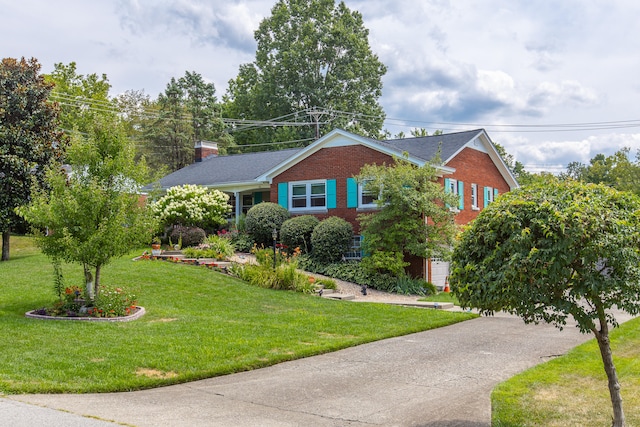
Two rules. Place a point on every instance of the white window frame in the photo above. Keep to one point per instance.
(453, 189)
(355, 250)
(490, 197)
(361, 194)
(474, 197)
(453, 186)
(308, 196)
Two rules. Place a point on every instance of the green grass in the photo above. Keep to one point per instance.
(441, 297)
(572, 390)
(199, 324)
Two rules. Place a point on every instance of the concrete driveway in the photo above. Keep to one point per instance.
(442, 377)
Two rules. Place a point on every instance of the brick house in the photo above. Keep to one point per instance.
(318, 179)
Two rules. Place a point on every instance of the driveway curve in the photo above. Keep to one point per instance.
(442, 377)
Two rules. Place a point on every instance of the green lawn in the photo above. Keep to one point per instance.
(441, 297)
(572, 390)
(199, 324)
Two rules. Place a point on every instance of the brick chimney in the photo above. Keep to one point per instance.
(205, 149)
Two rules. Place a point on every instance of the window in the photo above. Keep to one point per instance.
(455, 187)
(355, 251)
(247, 202)
(474, 197)
(452, 186)
(490, 194)
(310, 195)
(366, 199)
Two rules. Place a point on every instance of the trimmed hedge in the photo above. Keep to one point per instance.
(188, 236)
(296, 232)
(262, 218)
(331, 239)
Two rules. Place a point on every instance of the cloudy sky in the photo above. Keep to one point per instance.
(552, 81)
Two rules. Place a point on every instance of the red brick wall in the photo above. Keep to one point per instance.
(337, 163)
(475, 167)
(340, 163)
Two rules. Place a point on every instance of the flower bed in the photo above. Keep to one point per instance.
(135, 314)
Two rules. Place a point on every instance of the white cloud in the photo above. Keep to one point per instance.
(483, 63)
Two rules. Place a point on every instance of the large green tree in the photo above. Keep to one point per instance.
(311, 54)
(82, 98)
(554, 250)
(29, 137)
(186, 112)
(618, 170)
(93, 213)
(414, 215)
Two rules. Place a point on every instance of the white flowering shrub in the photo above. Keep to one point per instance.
(192, 205)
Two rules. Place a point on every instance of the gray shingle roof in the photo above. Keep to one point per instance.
(226, 169)
(245, 168)
(426, 147)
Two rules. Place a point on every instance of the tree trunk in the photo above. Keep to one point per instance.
(88, 279)
(614, 386)
(96, 284)
(5, 245)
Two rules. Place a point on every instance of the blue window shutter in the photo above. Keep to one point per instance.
(352, 193)
(495, 193)
(486, 196)
(447, 186)
(460, 195)
(257, 197)
(283, 196)
(331, 194)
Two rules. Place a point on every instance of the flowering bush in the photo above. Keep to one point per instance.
(113, 302)
(110, 302)
(192, 205)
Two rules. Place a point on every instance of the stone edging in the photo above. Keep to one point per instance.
(139, 313)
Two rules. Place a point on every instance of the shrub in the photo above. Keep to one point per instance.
(296, 232)
(192, 205)
(113, 302)
(262, 218)
(241, 241)
(285, 277)
(385, 262)
(355, 272)
(213, 247)
(331, 239)
(189, 236)
(326, 283)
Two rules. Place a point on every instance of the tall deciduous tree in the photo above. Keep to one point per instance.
(618, 170)
(185, 113)
(554, 250)
(29, 137)
(81, 98)
(414, 216)
(94, 212)
(310, 54)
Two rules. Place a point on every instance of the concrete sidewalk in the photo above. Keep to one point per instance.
(442, 377)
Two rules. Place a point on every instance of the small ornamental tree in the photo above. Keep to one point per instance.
(192, 205)
(93, 213)
(554, 250)
(413, 216)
